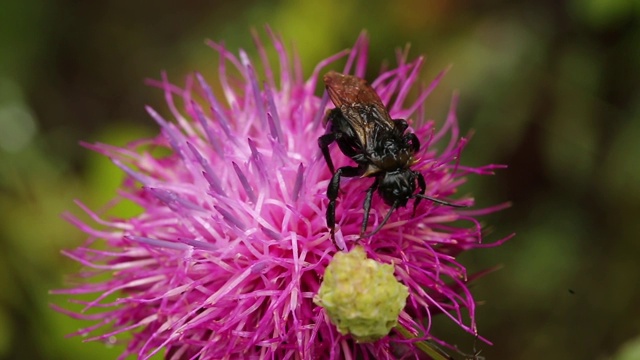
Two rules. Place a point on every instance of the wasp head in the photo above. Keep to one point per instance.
(397, 187)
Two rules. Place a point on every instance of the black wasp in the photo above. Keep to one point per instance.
(365, 132)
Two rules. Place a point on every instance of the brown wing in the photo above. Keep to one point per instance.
(360, 104)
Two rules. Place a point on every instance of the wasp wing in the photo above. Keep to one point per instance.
(361, 106)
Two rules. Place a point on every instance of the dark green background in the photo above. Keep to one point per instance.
(549, 87)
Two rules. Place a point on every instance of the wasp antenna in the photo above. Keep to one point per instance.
(384, 221)
(441, 202)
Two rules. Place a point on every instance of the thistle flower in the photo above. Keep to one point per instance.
(361, 296)
(231, 246)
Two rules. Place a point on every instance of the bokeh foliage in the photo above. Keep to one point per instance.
(550, 88)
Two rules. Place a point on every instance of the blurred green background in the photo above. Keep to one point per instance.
(550, 88)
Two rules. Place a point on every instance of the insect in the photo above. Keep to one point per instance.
(364, 131)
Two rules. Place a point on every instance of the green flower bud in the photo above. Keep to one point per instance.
(361, 296)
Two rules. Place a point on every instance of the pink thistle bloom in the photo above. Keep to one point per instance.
(232, 244)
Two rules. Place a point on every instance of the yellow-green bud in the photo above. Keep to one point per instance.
(361, 296)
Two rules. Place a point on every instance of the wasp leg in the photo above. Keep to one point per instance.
(384, 221)
(401, 125)
(367, 206)
(332, 194)
(324, 141)
(422, 185)
(414, 141)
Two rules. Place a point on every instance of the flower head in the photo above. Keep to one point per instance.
(232, 245)
(361, 296)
